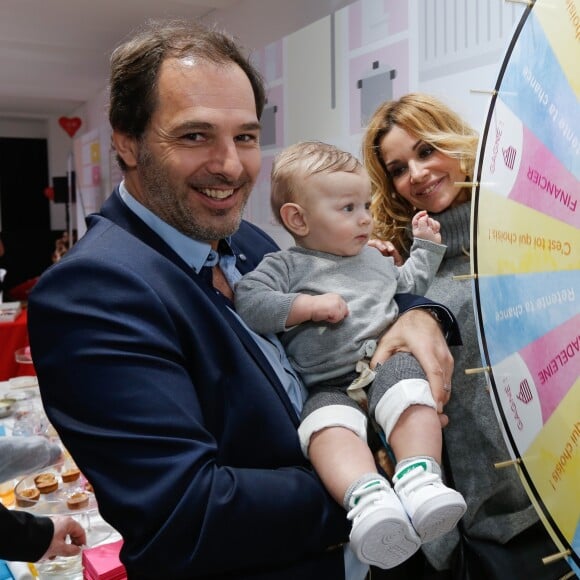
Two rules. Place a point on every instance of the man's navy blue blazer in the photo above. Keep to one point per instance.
(173, 413)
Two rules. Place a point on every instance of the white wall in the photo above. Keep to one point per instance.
(23, 128)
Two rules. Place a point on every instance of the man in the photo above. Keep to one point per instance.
(184, 421)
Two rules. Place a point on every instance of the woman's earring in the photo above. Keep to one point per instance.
(393, 195)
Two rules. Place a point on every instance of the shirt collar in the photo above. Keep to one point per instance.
(193, 252)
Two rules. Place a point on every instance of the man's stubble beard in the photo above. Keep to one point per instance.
(163, 199)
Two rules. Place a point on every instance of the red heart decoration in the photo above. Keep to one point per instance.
(70, 124)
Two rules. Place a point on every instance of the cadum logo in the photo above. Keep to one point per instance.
(525, 392)
(509, 156)
(495, 149)
(513, 408)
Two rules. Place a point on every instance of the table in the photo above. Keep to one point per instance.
(14, 335)
(98, 531)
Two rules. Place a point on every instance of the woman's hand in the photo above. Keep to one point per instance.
(417, 332)
(387, 249)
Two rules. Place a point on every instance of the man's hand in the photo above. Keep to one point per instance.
(417, 332)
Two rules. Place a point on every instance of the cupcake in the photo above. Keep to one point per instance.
(77, 500)
(70, 475)
(46, 482)
(27, 497)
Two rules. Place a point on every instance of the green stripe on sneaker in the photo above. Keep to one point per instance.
(372, 483)
(406, 470)
(368, 485)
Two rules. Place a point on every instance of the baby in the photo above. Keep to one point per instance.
(330, 298)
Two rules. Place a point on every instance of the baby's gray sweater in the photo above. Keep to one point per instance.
(498, 508)
(367, 282)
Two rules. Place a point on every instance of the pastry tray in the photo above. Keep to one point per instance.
(54, 503)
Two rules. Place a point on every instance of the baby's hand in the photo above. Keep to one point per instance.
(328, 308)
(386, 249)
(321, 308)
(426, 228)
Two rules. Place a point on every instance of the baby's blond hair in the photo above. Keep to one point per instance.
(302, 160)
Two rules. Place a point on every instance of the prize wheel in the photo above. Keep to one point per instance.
(526, 262)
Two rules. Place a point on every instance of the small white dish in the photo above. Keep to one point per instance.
(6, 407)
(24, 382)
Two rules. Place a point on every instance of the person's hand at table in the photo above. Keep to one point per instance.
(65, 528)
(417, 332)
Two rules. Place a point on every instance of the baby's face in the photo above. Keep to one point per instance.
(337, 211)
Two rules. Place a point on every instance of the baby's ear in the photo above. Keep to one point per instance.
(292, 216)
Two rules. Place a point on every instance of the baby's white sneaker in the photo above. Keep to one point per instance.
(381, 534)
(434, 508)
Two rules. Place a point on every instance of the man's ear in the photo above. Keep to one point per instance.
(292, 216)
(126, 148)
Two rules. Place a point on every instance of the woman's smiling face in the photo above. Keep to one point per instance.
(422, 175)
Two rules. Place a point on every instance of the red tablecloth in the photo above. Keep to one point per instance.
(13, 335)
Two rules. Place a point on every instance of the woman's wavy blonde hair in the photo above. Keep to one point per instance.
(430, 120)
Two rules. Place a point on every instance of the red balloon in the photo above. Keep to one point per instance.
(70, 124)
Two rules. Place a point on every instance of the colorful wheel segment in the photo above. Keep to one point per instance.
(526, 260)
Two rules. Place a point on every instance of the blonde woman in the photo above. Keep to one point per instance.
(416, 150)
